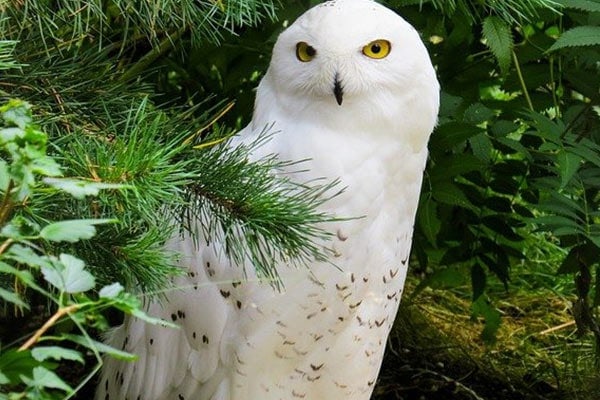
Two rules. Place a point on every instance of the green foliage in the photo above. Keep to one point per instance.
(65, 282)
(515, 157)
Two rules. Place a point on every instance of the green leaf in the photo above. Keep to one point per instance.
(79, 188)
(43, 353)
(46, 166)
(100, 347)
(481, 307)
(72, 230)
(445, 278)
(69, 276)
(4, 175)
(428, 220)
(583, 5)
(17, 112)
(12, 297)
(451, 134)
(111, 291)
(448, 193)
(578, 37)
(568, 164)
(498, 38)
(477, 113)
(44, 378)
(4, 379)
(478, 281)
(482, 147)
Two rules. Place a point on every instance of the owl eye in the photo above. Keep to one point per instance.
(377, 49)
(305, 52)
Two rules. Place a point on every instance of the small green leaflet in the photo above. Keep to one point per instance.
(498, 38)
(583, 5)
(72, 230)
(79, 188)
(12, 297)
(43, 353)
(568, 165)
(577, 37)
(44, 378)
(69, 275)
(111, 291)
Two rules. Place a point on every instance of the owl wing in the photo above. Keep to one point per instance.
(189, 361)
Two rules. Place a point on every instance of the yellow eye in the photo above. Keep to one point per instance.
(305, 52)
(377, 49)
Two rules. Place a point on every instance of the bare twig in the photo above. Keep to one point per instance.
(61, 312)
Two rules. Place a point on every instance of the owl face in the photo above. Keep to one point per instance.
(344, 50)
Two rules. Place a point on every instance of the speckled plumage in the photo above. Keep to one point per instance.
(322, 338)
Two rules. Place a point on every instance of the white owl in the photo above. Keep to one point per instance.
(351, 88)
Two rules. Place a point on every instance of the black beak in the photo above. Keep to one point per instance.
(338, 91)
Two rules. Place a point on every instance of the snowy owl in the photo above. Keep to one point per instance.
(350, 88)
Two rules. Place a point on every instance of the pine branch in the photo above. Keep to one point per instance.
(261, 217)
(511, 11)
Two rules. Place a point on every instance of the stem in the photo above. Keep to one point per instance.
(164, 46)
(5, 245)
(522, 81)
(61, 312)
(6, 206)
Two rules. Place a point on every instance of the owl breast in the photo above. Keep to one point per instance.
(324, 336)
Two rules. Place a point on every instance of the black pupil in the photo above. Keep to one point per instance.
(310, 51)
(375, 48)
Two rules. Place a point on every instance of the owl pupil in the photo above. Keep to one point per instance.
(375, 48)
(310, 51)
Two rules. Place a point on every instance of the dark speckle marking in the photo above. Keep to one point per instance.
(225, 293)
(194, 334)
(391, 296)
(393, 274)
(404, 261)
(316, 367)
(174, 317)
(384, 279)
(379, 323)
(238, 304)
(341, 288)
(353, 306)
(365, 279)
(151, 342)
(235, 284)
(370, 383)
(204, 339)
(341, 318)
(352, 279)
(298, 395)
(180, 397)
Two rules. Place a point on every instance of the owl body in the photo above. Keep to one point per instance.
(323, 335)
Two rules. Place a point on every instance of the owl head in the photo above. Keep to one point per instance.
(353, 57)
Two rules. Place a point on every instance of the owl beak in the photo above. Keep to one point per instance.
(338, 90)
